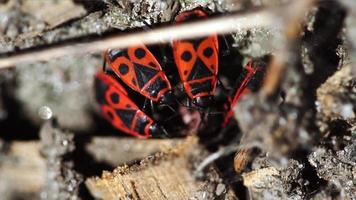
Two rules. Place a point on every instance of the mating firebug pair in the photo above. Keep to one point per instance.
(197, 64)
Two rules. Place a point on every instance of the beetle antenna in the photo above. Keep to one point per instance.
(165, 132)
(171, 108)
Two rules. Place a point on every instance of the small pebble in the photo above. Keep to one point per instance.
(347, 111)
(220, 189)
(45, 113)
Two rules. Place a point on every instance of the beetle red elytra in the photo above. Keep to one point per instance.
(197, 62)
(121, 111)
(139, 69)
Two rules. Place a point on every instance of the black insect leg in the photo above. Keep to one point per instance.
(159, 114)
(204, 116)
(165, 59)
(227, 50)
(144, 107)
(153, 107)
(220, 83)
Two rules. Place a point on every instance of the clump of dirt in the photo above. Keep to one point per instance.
(65, 90)
(337, 168)
(62, 181)
(336, 99)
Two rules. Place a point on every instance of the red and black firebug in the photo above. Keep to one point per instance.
(197, 62)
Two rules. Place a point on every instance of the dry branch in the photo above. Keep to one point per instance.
(219, 25)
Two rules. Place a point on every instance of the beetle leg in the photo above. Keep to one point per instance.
(144, 107)
(153, 107)
(226, 50)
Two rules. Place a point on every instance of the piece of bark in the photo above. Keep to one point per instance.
(53, 13)
(270, 182)
(254, 178)
(337, 96)
(167, 175)
(163, 176)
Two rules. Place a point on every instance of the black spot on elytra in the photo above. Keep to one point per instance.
(208, 52)
(123, 69)
(140, 53)
(115, 98)
(186, 56)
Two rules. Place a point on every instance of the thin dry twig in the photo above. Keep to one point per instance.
(219, 25)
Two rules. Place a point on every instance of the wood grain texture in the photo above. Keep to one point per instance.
(167, 175)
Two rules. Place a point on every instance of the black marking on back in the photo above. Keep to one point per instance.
(205, 86)
(140, 53)
(208, 52)
(140, 125)
(186, 56)
(126, 116)
(115, 53)
(100, 88)
(143, 74)
(196, 42)
(192, 17)
(157, 85)
(123, 69)
(115, 98)
(199, 71)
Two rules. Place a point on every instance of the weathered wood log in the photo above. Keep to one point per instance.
(167, 175)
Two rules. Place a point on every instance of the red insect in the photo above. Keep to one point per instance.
(121, 111)
(249, 72)
(139, 69)
(197, 62)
